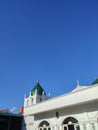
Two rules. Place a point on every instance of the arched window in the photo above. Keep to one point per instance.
(70, 123)
(44, 125)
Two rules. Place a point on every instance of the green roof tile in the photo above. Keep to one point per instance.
(95, 82)
(37, 88)
(10, 114)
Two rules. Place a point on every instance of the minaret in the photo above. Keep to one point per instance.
(37, 94)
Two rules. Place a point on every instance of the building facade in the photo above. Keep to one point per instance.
(76, 110)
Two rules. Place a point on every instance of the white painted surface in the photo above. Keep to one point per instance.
(67, 100)
(82, 104)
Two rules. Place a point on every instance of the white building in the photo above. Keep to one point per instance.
(77, 110)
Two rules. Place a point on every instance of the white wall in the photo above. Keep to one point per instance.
(82, 105)
(85, 114)
(67, 100)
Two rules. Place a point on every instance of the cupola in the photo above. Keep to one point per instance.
(37, 95)
(37, 89)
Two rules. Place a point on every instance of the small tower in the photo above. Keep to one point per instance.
(37, 94)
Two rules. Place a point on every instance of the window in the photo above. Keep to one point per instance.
(93, 126)
(40, 99)
(27, 102)
(32, 100)
(72, 124)
(84, 127)
(44, 125)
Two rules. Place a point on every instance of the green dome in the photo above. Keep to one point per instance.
(95, 82)
(37, 89)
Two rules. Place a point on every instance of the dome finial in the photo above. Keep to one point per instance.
(37, 81)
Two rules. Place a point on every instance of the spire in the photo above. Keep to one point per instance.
(37, 81)
(78, 83)
(24, 95)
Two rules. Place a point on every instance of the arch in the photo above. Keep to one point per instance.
(44, 125)
(70, 120)
(70, 123)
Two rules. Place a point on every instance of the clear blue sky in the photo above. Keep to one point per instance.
(55, 41)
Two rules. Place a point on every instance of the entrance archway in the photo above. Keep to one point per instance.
(44, 125)
(70, 123)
